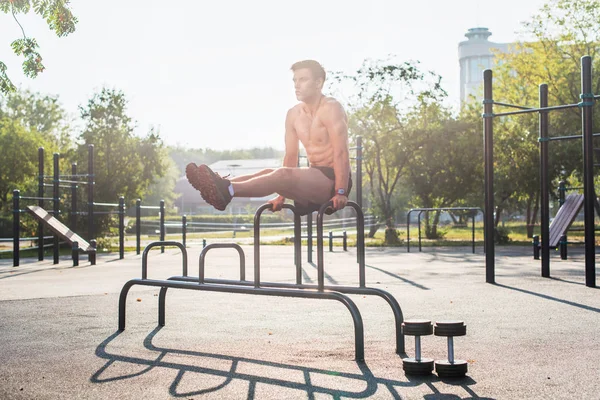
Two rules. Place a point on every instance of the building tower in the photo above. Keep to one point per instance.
(475, 55)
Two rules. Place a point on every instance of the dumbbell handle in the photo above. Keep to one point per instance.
(450, 349)
(418, 348)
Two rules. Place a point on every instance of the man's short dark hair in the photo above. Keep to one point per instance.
(315, 68)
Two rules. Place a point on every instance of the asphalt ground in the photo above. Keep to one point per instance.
(528, 337)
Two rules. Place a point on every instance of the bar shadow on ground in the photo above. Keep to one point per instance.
(415, 284)
(365, 379)
(547, 297)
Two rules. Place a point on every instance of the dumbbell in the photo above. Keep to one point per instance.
(450, 368)
(417, 365)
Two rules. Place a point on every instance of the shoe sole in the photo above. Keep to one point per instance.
(191, 172)
(210, 192)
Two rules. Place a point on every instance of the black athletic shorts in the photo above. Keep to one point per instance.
(312, 207)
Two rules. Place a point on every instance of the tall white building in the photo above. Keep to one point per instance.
(475, 55)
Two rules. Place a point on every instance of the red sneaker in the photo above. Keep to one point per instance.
(213, 188)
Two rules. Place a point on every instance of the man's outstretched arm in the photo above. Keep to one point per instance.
(336, 123)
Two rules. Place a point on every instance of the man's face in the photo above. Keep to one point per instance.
(305, 84)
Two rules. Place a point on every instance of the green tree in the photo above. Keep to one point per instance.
(446, 167)
(40, 113)
(59, 18)
(384, 91)
(125, 164)
(19, 159)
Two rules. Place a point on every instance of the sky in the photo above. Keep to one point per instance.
(216, 74)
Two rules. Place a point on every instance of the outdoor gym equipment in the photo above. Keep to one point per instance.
(586, 105)
(258, 287)
(450, 368)
(417, 365)
(421, 210)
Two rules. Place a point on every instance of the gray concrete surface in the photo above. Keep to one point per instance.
(527, 337)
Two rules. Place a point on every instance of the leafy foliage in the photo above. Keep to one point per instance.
(59, 18)
(125, 165)
(564, 30)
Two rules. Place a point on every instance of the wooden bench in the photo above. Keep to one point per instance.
(76, 242)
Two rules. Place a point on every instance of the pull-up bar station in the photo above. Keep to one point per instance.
(586, 105)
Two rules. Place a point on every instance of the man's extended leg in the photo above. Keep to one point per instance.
(300, 184)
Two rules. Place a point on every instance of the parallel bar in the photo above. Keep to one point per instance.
(162, 224)
(106, 204)
(40, 229)
(37, 198)
(488, 144)
(74, 206)
(544, 183)
(393, 303)
(532, 110)
(122, 228)
(588, 172)
(56, 206)
(16, 227)
(511, 105)
(90, 193)
(359, 156)
(138, 228)
(350, 305)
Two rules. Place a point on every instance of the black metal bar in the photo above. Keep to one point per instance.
(184, 229)
(257, 216)
(562, 189)
(74, 206)
(588, 170)
(359, 157)
(163, 244)
(138, 227)
(162, 224)
(90, 192)
(345, 240)
(309, 235)
(107, 204)
(488, 144)
(563, 247)
(473, 232)
(40, 229)
(350, 305)
(558, 138)
(298, 247)
(37, 198)
(562, 107)
(75, 254)
(408, 231)
(122, 228)
(536, 247)
(419, 225)
(16, 227)
(92, 254)
(544, 183)
(394, 305)
(330, 241)
(201, 272)
(320, 256)
(511, 105)
(56, 206)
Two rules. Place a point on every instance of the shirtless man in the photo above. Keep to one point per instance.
(321, 124)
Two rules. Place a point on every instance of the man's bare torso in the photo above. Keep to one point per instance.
(312, 132)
